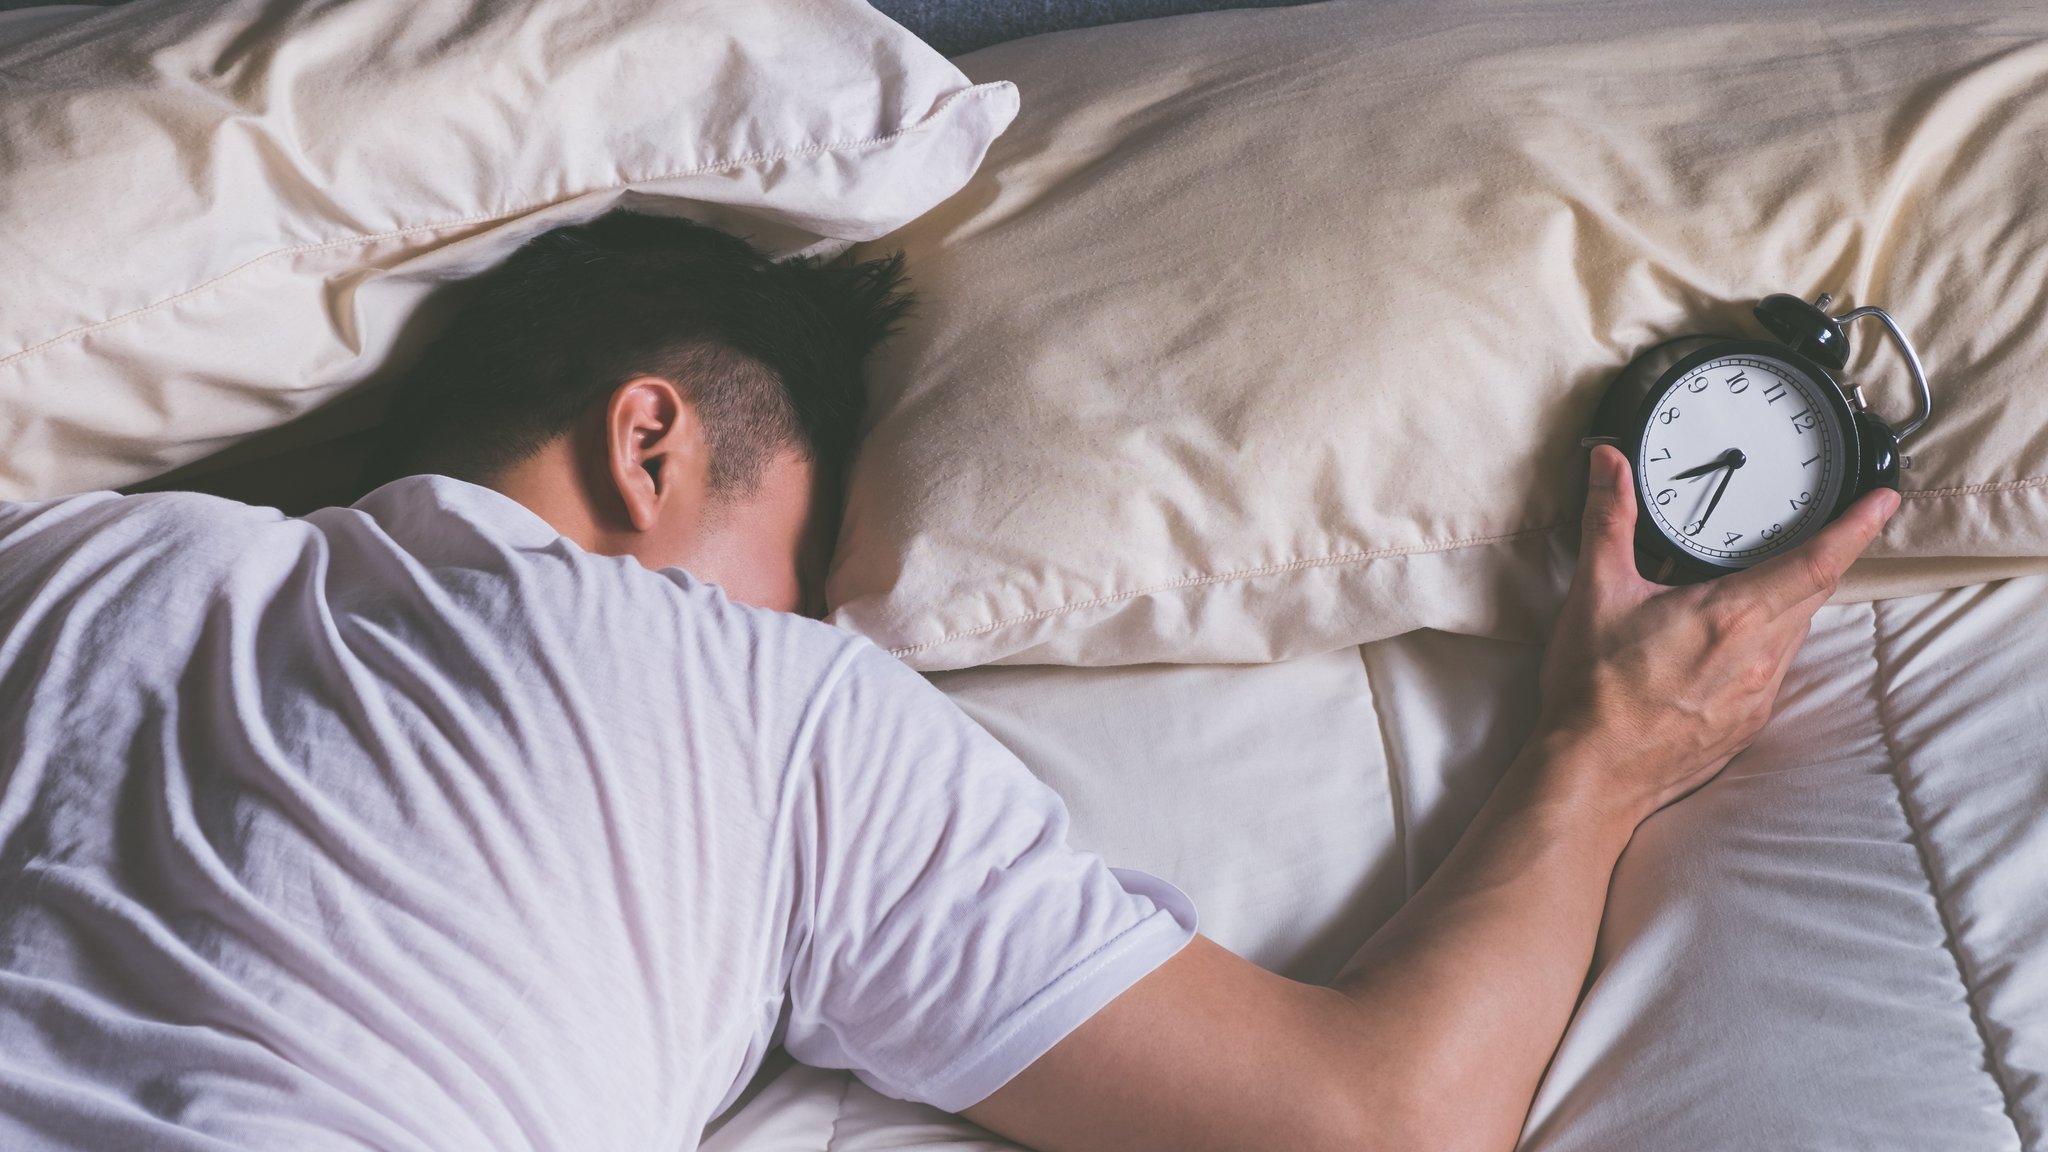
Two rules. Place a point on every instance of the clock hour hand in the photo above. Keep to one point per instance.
(1732, 458)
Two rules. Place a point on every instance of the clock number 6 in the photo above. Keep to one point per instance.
(1667, 496)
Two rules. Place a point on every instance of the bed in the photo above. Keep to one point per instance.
(1150, 494)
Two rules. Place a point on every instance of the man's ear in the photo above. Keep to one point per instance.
(654, 447)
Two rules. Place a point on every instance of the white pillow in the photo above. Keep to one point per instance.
(215, 216)
(1274, 331)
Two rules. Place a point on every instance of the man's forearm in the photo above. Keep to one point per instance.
(1474, 980)
(1433, 1039)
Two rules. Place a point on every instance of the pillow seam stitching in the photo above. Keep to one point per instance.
(1209, 579)
(1206, 580)
(1989, 486)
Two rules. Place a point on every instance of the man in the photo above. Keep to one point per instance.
(515, 808)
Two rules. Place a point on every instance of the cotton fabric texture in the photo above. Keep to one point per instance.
(1266, 333)
(217, 216)
(413, 826)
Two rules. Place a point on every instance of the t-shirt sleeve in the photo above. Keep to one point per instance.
(947, 935)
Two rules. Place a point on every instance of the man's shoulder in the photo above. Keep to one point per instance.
(498, 557)
(111, 521)
(766, 631)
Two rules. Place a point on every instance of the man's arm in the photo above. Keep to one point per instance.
(1438, 1032)
(1435, 1037)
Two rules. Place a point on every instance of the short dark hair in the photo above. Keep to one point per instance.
(771, 353)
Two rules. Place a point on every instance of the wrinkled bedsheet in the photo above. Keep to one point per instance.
(1837, 943)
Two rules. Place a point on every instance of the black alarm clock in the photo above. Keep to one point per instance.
(1742, 449)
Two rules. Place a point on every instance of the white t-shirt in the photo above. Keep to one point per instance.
(413, 826)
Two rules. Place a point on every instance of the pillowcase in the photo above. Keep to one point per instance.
(1270, 332)
(216, 216)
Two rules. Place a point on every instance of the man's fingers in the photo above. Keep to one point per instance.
(1810, 571)
(1608, 532)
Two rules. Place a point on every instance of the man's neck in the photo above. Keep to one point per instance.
(548, 485)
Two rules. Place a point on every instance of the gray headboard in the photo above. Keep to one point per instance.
(956, 26)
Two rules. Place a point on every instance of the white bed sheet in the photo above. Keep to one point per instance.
(1838, 943)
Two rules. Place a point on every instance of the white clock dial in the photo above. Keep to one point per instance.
(1742, 458)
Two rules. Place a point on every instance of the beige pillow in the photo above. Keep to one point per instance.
(1268, 332)
(217, 215)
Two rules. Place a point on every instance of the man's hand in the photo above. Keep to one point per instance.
(1665, 685)
(1437, 1034)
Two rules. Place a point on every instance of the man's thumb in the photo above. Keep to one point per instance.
(1609, 528)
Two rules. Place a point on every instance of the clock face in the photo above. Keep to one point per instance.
(1743, 456)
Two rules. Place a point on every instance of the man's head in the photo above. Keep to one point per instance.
(658, 389)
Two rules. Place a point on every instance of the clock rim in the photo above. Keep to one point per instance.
(1650, 540)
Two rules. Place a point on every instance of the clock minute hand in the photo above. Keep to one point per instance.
(1724, 460)
(1735, 460)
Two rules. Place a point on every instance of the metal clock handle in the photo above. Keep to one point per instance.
(1912, 366)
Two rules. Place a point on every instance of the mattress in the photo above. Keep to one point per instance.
(1836, 943)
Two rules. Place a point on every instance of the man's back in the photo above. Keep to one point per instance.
(415, 826)
(276, 751)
